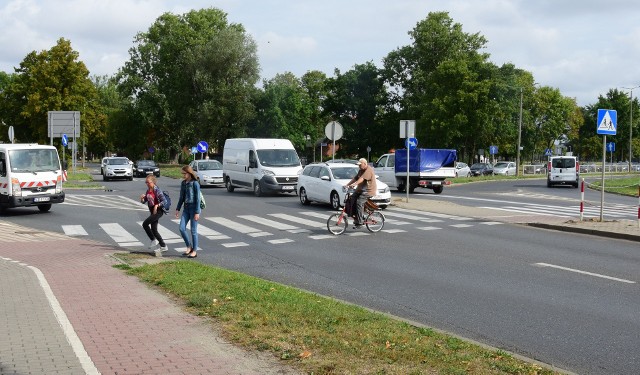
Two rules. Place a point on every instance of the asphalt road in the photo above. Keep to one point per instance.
(564, 299)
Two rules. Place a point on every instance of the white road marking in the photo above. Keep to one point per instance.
(297, 220)
(584, 272)
(74, 230)
(235, 244)
(120, 235)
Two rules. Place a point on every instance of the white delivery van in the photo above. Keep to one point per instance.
(260, 164)
(563, 170)
(30, 175)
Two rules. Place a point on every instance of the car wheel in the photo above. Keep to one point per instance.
(335, 200)
(256, 188)
(105, 178)
(438, 189)
(303, 197)
(228, 185)
(44, 207)
(131, 178)
(469, 174)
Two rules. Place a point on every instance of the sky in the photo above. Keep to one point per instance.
(583, 48)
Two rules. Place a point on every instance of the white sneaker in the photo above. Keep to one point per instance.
(158, 253)
(152, 244)
(164, 248)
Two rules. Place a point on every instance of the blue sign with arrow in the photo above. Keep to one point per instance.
(411, 143)
(493, 150)
(203, 146)
(611, 146)
(65, 140)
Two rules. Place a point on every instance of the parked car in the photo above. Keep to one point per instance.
(350, 161)
(209, 172)
(142, 168)
(102, 164)
(481, 169)
(506, 168)
(463, 170)
(118, 167)
(324, 183)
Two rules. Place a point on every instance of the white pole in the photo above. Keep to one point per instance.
(604, 161)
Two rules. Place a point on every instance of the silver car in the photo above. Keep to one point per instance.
(462, 170)
(118, 167)
(506, 168)
(209, 172)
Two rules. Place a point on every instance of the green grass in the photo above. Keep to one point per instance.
(622, 185)
(316, 334)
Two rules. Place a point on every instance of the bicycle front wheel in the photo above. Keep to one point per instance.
(337, 223)
(375, 221)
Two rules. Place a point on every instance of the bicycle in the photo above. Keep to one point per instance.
(374, 219)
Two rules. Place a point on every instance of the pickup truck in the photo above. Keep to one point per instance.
(428, 168)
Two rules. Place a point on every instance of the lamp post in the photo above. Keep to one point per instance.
(519, 137)
(630, 122)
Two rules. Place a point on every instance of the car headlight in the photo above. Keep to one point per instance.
(267, 172)
(386, 190)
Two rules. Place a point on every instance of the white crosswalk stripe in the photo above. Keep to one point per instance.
(614, 211)
(104, 201)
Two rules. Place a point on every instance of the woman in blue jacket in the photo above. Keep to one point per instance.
(190, 197)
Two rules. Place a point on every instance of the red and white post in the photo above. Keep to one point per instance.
(582, 199)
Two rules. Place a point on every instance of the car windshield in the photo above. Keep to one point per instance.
(146, 163)
(209, 165)
(34, 160)
(278, 158)
(501, 165)
(344, 173)
(118, 161)
(477, 166)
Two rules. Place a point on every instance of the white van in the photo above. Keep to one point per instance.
(260, 164)
(563, 170)
(30, 175)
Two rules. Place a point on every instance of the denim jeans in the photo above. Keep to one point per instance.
(187, 215)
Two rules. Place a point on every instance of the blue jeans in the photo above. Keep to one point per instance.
(187, 215)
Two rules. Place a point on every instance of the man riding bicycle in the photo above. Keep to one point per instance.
(365, 184)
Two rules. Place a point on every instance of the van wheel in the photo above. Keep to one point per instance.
(303, 197)
(227, 184)
(44, 207)
(256, 188)
(335, 200)
(438, 189)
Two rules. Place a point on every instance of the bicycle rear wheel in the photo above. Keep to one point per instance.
(375, 221)
(337, 223)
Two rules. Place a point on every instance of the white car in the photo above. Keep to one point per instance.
(506, 168)
(324, 183)
(102, 165)
(462, 170)
(209, 172)
(118, 167)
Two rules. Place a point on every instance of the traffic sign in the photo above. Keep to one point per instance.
(65, 140)
(333, 130)
(11, 134)
(411, 143)
(548, 152)
(607, 121)
(407, 128)
(203, 146)
(611, 146)
(152, 150)
(194, 150)
(493, 150)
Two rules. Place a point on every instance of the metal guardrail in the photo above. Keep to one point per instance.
(532, 169)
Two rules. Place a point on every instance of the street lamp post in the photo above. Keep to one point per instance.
(630, 122)
(519, 137)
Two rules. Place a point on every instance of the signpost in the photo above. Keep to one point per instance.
(333, 131)
(11, 134)
(65, 122)
(408, 131)
(606, 125)
(202, 147)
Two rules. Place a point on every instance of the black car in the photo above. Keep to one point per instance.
(481, 169)
(142, 168)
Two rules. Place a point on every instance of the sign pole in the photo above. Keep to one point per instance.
(333, 138)
(604, 160)
(406, 132)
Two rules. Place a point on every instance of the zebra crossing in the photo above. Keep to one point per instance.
(615, 211)
(272, 228)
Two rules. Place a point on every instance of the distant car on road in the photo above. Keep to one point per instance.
(462, 170)
(208, 172)
(481, 169)
(118, 167)
(102, 164)
(142, 168)
(506, 168)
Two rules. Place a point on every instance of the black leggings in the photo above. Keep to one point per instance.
(150, 226)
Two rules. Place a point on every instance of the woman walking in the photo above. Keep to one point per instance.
(154, 198)
(190, 196)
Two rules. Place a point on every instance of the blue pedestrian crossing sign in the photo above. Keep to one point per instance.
(412, 143)
(493, 150)
(548, 152)
(607, 121)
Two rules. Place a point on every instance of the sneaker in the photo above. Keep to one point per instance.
(152, 244)
(158, 253)
(164, 248)
(357, 226)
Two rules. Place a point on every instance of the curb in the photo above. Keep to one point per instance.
(589, 231)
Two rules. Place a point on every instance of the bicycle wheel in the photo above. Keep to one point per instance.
(375, 221)
(337, 223)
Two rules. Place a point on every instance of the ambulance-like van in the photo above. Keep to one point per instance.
(30, 175)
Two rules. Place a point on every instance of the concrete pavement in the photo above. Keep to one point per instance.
(66, 310)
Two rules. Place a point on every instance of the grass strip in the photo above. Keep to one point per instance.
(622, 185)
(320, 335)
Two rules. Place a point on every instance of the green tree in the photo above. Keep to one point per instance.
(52, 80)
(191, 77)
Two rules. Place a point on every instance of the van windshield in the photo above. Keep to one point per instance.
(34, 160)
(278, 158)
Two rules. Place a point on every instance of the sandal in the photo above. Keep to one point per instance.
(187, 253)
(193, 254)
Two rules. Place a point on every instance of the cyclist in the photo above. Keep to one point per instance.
(365, 185)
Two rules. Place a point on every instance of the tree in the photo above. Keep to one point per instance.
(52, 80)
(191, 77)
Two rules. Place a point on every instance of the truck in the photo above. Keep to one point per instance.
(428, 168)
(30, 175)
